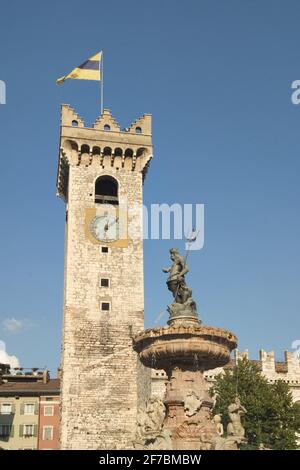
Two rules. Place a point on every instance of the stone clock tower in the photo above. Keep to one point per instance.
(100, 177)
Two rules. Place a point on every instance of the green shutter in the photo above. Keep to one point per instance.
(22, 408)
(36, 408)
(35, 430)
(21, 428)
(12, 429)
(13, 408)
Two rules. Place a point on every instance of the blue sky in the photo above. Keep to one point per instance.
(216, 77)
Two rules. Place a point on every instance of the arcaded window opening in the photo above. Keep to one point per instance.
(106, 190)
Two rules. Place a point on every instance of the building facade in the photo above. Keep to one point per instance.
(49, 421)
(100, 177)
(25, 420)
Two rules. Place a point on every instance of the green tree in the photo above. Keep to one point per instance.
(272, 419)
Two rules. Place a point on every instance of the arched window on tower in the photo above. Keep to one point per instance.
(106, 190)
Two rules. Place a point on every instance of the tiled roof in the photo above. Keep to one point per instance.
(33, 388)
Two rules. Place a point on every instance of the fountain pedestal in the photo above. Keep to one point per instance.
(185, 349)
(188, 410)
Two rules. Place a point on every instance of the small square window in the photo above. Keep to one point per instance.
(48, 410)
(104, 249)
(105, 306)
(104, 282)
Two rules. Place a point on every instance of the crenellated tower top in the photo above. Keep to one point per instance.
(104, 144)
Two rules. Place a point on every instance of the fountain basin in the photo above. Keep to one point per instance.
(191, 346)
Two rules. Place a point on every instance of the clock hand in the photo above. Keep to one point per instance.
(107, 225)
(112, 223)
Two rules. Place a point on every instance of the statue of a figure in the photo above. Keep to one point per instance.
(183, 304)
(235, 411)
(176, 273)
(235, 430)
(219, 425)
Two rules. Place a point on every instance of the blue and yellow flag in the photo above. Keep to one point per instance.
(89, 70)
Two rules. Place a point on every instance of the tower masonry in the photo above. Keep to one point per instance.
(100, 177)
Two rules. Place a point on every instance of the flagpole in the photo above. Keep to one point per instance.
(101, 76)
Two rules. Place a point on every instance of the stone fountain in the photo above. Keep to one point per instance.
(184, 349)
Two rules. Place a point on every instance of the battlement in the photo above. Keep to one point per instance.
(268, 365)
(140, 127)
(104, 144)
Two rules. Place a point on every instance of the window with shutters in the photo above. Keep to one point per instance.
(47, 433)
(29, 409)
(6, 408)
(28, 430)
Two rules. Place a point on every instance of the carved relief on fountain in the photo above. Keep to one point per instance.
(192, 403)
(150, 433)
(189, 411)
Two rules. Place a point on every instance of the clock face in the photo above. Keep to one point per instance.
(105, 228)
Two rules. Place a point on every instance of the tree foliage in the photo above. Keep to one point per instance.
(272, 419)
